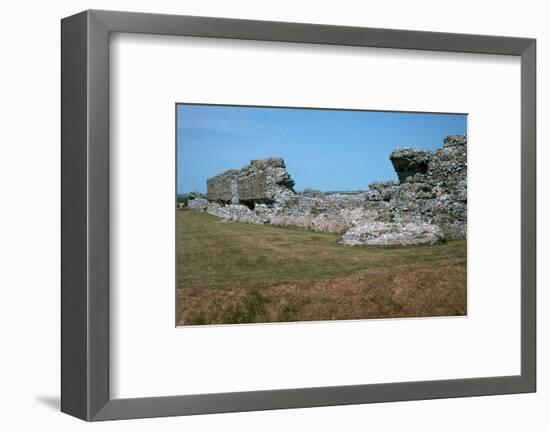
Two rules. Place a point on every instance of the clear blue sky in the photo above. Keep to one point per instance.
(323, 149)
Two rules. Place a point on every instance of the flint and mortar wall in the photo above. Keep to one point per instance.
(220, 188)
(431, 191)
(432, 186)
(261, 181)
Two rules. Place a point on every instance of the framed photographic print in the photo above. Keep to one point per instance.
(261, 215)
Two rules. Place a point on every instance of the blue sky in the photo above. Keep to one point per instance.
(323, 149)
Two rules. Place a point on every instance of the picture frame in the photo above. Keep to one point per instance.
(85, 341)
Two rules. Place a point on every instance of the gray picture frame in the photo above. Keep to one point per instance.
(85, 215)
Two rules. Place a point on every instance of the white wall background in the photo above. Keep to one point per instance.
(29, 220)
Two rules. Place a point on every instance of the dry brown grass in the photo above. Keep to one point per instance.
(402, 293)
(238, 273)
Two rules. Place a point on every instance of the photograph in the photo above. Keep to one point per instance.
(303, 214)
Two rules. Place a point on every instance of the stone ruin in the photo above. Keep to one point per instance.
(261, 182)
(426, 205)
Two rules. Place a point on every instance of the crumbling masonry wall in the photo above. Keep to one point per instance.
(260, 182)
(221, 187)
(428, 203)
(435, 190)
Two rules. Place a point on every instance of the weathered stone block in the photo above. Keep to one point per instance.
(252, 187)
(219, 187)
(198, 204)
(453, 140)
(380, 233)
(261, 181)
(409, 161)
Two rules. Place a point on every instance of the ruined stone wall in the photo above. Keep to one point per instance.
(432, 187)
(261, 181)
(220, 187)
(429, 202)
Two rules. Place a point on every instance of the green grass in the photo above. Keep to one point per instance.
(213, 254)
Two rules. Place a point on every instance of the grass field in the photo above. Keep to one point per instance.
(231, 272)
